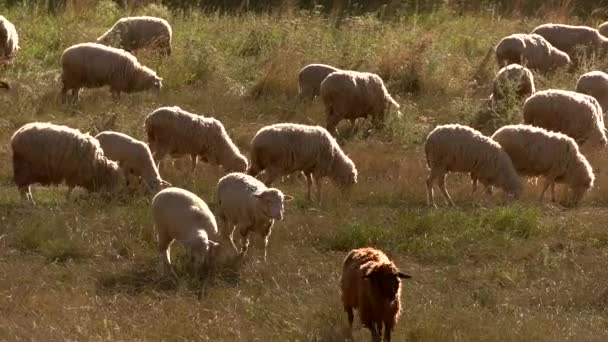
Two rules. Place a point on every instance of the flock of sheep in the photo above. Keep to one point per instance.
(546, 144)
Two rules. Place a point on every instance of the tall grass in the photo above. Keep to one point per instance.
(87, 269)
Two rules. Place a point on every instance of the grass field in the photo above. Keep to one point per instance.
(485, 271)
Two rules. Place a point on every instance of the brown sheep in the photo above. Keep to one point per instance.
(371, 283)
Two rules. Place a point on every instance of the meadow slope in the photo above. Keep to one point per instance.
(86, 269)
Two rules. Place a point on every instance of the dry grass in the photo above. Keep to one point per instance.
(86, 269)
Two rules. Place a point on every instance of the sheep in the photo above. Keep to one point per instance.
(310, 78)
(603, 29)
(512, 80)
(569, 38)
(134, 33)
(133, 156)
(532, 51)
(574, 114)
(172, 130)
(180, 215)
(537, 152)
(92, 65)
(371, 283)
(9, 44)
(595, 83)
(458, 148)
(284, 148)
(247, 204)
(351, 95)
(52, 154)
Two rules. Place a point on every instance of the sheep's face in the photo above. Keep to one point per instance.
(386, 278)
(238, 164)
(201, 250)
(271, 201)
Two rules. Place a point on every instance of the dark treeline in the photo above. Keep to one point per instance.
(581, 8)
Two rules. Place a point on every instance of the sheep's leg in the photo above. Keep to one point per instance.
(158, 156)
(318, 186)
(115, 94)
(266, 245)
(429, 190)
(164, 243)
(309, 186)
(244, 239)
(387, 332)
(474, 183)
(64, 94)
(375, 332)
(548, 182)
(444, 191)
(75, 95)
(26, 194)
(69, 193)
(553, 192)
(350, 315)
(193, 158)
(271, 176)
(331, 123)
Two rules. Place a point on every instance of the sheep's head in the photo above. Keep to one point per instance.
(580, 178)
(385, 277)
(147, 80)
(271, 201)
(344, 171)
(238, 163)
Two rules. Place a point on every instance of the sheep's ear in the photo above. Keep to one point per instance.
(368, 273)
(287, 198)
(165, 183)
(213, 243)
(259, 195)
(403, 275)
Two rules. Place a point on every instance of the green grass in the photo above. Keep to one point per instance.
(484, 271)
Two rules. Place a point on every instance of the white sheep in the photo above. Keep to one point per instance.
(351, 95)
(134, 33)
(532, 51)
(133, 156)
(92, 65)
(9, 44)
(285, 148)
(569, 38)
(51, 154)
(603, 29)
(574, 114)
(595, 83)
(180, 215)
(458, 148)
(512, 80)
(310, 78)
(174, 131)
(537, 152)
(248, 205)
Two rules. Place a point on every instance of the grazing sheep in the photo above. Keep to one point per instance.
(574, 114)
(310, 78)
(92, 65)
(595, 83)
(52, 154)
(134, 33)
(172, 130)
(282, 149)
(180, 215)
(569, 38)
(371, 283)
(458, 148)
(530, 50)
(603, 29)
(537, 152)
(133, 156)
(9, 44)
(351, 95)
(513, 80)
(247, 204)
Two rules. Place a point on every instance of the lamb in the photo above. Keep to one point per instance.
(569, 38)
(371, 283)
(574, 114)
(512, 80)
(310, 78)
(537, 152)
(133, 156)
(458, 148)
(247, 204)
(603, 29)
(284, 148)
(92, 65)
(9, 44)
(532, 51)
(48, 154)
(134, 33)
(351, 95)
(180, 215)
(172, 130)
(595, 83)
